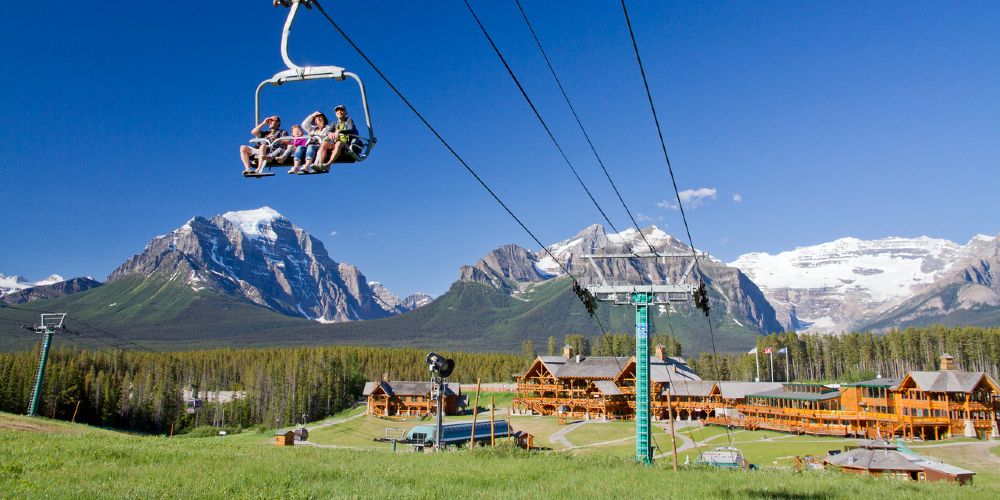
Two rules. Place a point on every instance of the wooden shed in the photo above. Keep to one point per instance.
(284, 438)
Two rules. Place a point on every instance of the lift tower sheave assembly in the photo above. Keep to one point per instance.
(641, 296)
(48, 326)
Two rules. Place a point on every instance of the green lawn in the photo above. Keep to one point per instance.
(595, 432)
(707, 433)
(45, 459)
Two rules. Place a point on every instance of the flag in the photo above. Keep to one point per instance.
(767, 351)
(783, 350)
(753, 351)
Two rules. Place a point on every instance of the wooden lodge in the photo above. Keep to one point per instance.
(925, 404)
(594, 386)
(410, 399)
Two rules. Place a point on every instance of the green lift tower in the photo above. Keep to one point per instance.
(50, 323)
(640, 296)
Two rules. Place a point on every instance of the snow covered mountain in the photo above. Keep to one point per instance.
(968, 294)
(837, 286)
(262, 257)
(516, 270)
(9, 284)
(391, 302)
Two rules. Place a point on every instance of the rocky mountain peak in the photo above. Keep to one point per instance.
(262, 257)
(512, 268)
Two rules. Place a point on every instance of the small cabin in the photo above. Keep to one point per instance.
(410, 399)
(284, 438)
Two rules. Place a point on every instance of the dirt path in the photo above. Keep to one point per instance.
(686, 443)
(560, 436)
(338, 421)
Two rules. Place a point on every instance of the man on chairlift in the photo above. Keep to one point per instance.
(339, 139)
(264, 151)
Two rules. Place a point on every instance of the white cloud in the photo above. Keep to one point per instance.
(369, 234)
(333, 233)
(641, 217)
(667, 204)
(737, 198)
(692, 198)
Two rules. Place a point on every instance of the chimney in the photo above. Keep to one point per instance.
(660, 352)
(947, 362)
(385, 376)
(578, 358)
(567, 351)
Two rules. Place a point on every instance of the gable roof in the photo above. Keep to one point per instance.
(405, 388)
(691, 388)
(610, 367)
(670, 369)
(739, 390)
(592, 367)
(607, 387)
(552, 363)
(945, 380)
(881, 460)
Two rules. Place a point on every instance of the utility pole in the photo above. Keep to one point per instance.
(641, 297)
(50, 323)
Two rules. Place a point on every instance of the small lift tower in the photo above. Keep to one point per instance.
(50, 323)
(641, 297)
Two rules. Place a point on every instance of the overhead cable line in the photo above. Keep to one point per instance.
(448, 146)
(673, 178)
(102, 331)
(541, 120)
(580, 124)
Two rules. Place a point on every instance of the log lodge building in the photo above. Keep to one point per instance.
(925, 404)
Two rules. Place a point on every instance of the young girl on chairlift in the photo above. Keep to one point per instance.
(299, 143)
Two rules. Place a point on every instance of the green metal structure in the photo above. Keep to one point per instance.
(48, 326)
(643, 447)
(641, 296)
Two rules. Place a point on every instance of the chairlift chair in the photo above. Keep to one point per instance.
(193, 405)
(358, 148)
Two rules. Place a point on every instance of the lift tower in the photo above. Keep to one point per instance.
(640, 296)
(50, 323)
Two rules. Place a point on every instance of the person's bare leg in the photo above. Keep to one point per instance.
(262, 159)
(338, 149)
(321, 155)
(245, 156)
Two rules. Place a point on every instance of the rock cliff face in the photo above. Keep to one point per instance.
(261, 256)
(841, 285)
(512, 268)
(391, 302)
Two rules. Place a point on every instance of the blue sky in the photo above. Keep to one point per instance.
(810, 121)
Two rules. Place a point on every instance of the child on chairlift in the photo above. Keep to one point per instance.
(299, 143)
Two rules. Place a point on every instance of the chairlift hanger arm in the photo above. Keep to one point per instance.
(296, 73)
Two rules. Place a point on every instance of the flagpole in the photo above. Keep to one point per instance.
(786, 366)
(770, 354)
(756, 363)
